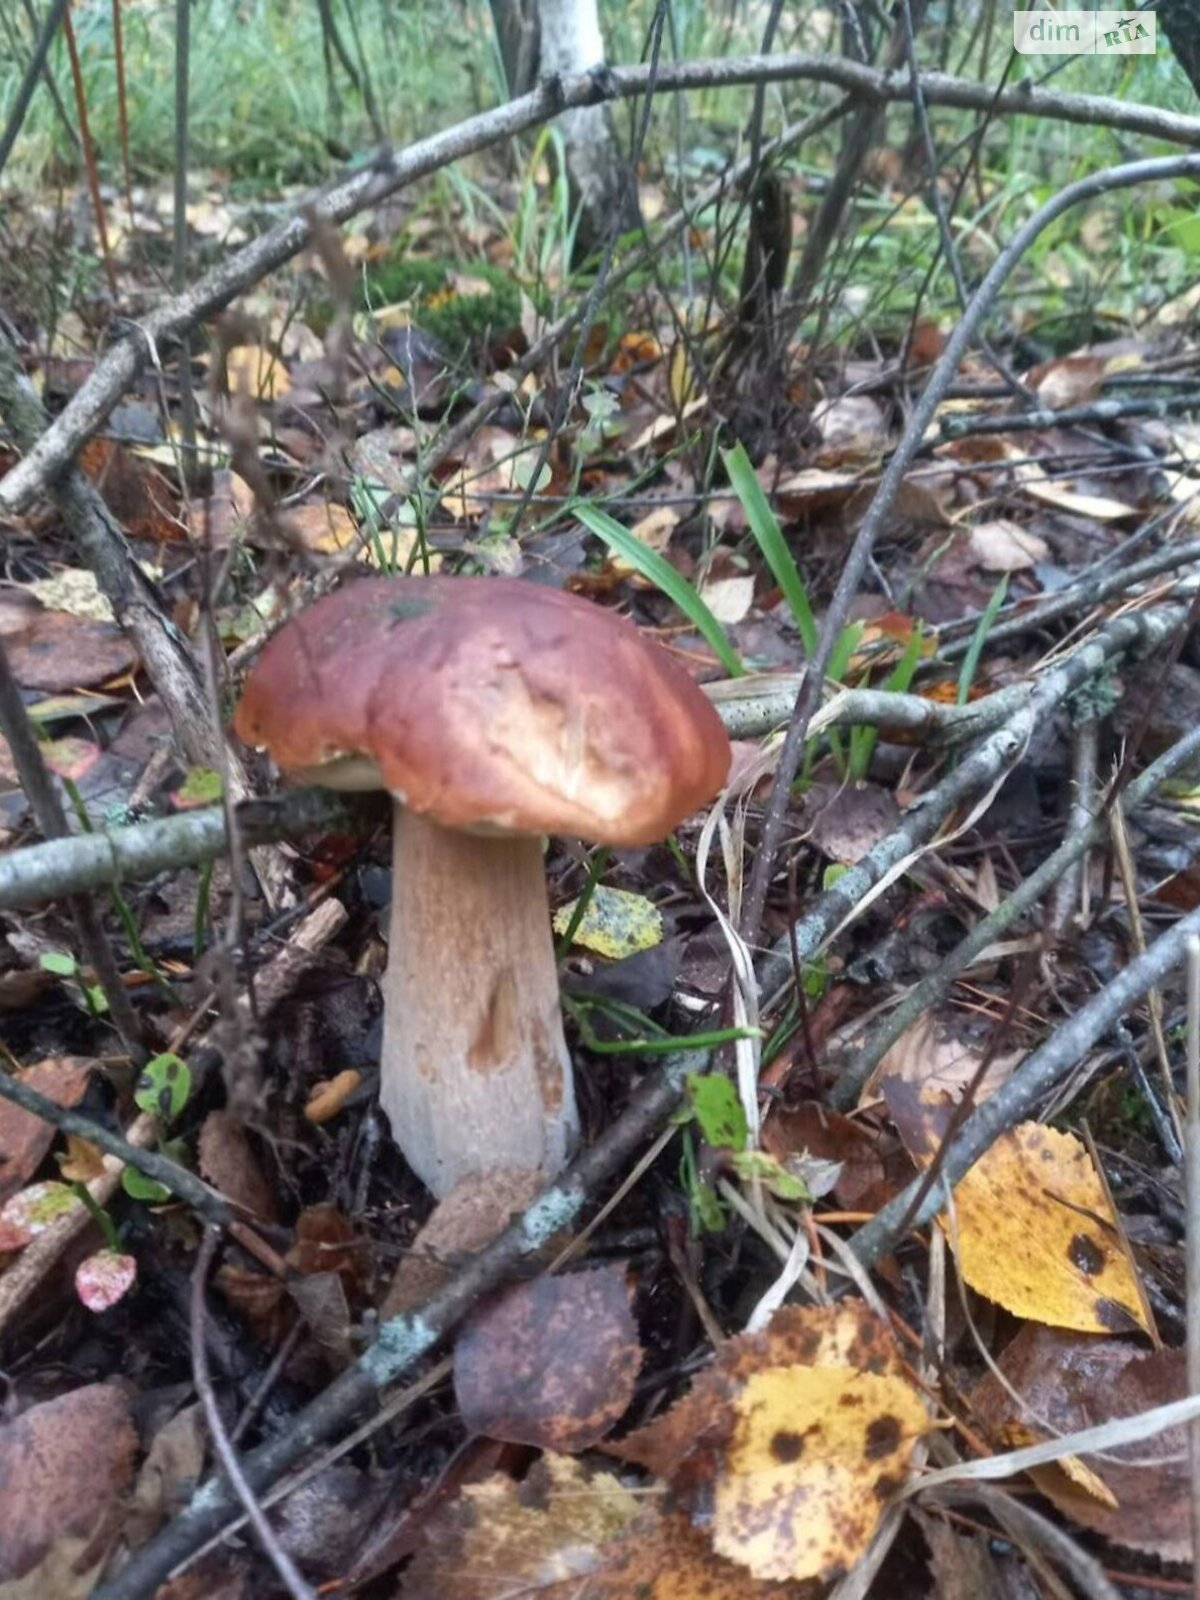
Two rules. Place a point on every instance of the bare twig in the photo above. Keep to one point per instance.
(107, 856)
(52, 820)
(1020, 1095)
(391, 171)
(1066, 901)
(1086, 591)
(1110, 409)
(1089, 188)
(931, 988)
(135, 602)
(184, 1185)
(34, 69)
(226, 1454)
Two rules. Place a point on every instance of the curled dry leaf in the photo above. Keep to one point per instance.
(330, 1095)
(1032, 1227)
(1066, 1384)
(24, 1138)
(551, 1362)
(64, 1467)
(800, 1433)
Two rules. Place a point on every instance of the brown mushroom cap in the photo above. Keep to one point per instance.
(488, 704)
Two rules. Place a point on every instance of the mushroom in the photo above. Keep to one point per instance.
(494, 711)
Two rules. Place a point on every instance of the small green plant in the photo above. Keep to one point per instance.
(162, 1091)
(970, 664)
(663, 576)
(458, 305)
(62, 964)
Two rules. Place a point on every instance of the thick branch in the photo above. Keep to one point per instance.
(390, 171)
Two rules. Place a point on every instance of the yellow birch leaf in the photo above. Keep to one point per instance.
(816, 1454)
(1034, 1233)
(615, 924)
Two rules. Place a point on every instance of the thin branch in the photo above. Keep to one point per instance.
(114, 855)
(406, 1339)
(227, 1455)
(184, 1185)
(115, 373)
(52, 820)
(34, 68)
(1020, 1096)
(1098, 183)
(935, 984)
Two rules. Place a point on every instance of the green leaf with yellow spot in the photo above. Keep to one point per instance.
(615, 923)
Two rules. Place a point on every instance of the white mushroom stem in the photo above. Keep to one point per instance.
(475, 1073)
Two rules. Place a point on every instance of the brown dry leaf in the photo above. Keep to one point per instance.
(845, 821)
(257, 371)
(655, 528)
(745, 1433)
(133, 489)
(1004, 546)
(24, 1138)
(729, 599)
(496, 462)
(662, 1557)
(552, 1362)
(64, 1468)
(168, 1476)
(500, 1540)
(931, 1055)
(1032, 1226)
(1056, 492)
(322, 526)
(852, 425)
(229, 1163)
(816, 1454)
(962, 1565)
(57, 651)
(474, 1213)
(1069, 1383)
(812, 1129)
(1068, 381)
(1062, 1481)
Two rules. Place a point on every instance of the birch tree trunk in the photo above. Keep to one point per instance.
(571, 42)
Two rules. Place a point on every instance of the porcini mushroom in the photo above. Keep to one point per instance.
(494, 711)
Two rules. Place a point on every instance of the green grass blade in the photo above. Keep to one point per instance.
(768, 535)
(966, 674)
(898, 681)
(663, 576)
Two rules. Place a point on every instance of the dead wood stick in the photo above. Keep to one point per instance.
(392, 170)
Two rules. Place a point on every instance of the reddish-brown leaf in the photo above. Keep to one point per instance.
(24, 1138)
(552, 1362)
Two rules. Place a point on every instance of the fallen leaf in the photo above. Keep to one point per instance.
(932, 1055)
(57, 652)
(475, 1212)
(812, 1129)
(1060, 493)
(815, 1456)
(844, 822)
(73, 589)
(551, 1362)
(228, 1161)
(82, 1161)
(615, 923)
(31, 1211)
(256, 371)
(1065, 1383)
(1068, 380)
(64, 1467)
(1032, 1227)
(542, 1537)
(24, 1138)
(726, 1439)
(1003, 546)
(104, 1278)
(168, 1476)
(729, 599)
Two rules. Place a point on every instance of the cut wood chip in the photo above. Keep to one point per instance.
(552, 1362)
(1066, 1383)
(1032, 1227)
(24, 1138)
(64, 1467)
(801, 1433)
